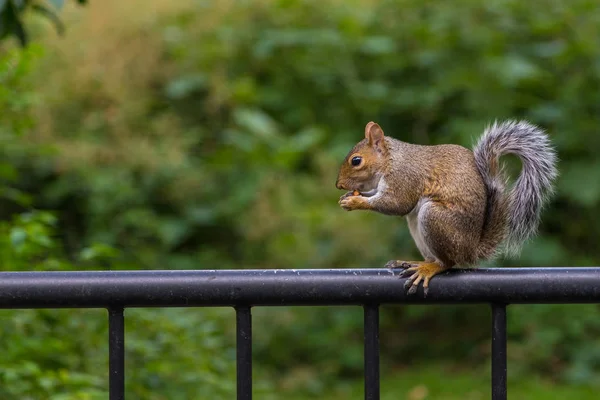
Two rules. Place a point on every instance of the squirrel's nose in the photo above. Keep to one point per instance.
(339, 185)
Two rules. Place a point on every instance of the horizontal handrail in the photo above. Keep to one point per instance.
(276, 287)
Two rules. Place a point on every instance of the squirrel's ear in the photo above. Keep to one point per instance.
(368, 128)
(374, 134)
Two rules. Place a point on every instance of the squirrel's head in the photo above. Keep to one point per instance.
(365, 163)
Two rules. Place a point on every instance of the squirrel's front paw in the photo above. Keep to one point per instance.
(345, 195)
(352, 202)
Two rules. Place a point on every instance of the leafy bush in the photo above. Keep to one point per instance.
(42, 357)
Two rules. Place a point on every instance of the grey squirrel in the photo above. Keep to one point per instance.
(458, 208)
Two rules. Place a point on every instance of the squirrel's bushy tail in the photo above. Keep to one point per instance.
(514, 217)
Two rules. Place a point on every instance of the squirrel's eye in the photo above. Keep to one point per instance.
(356, 161)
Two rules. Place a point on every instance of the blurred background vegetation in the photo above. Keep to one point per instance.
(207, 134)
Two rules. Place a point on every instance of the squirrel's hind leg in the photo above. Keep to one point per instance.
(446, 236)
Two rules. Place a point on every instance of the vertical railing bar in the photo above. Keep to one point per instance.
(499, 366)
(116, 354)
(244, 352)
(371, 356)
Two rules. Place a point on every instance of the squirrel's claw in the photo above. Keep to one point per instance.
(417, 272)
(412, 283)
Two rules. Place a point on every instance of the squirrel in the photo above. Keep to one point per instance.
(456, 201)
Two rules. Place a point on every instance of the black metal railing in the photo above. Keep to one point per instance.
(243, 289)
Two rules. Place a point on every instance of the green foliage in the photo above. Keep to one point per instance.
(446, 382)
(15, 102)
(174, 354)
(11, 16)
(170, 354)
(210, 137)
(42, 357)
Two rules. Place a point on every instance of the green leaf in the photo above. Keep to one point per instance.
(10, 23)
(20, 4)
(16, 195)
(98, 251)
(184, 86)
(257, 122)
(378, 45)
(46, 218)
(17, 237)
(51, 15)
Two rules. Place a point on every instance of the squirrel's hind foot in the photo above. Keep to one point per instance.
(417, 272)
